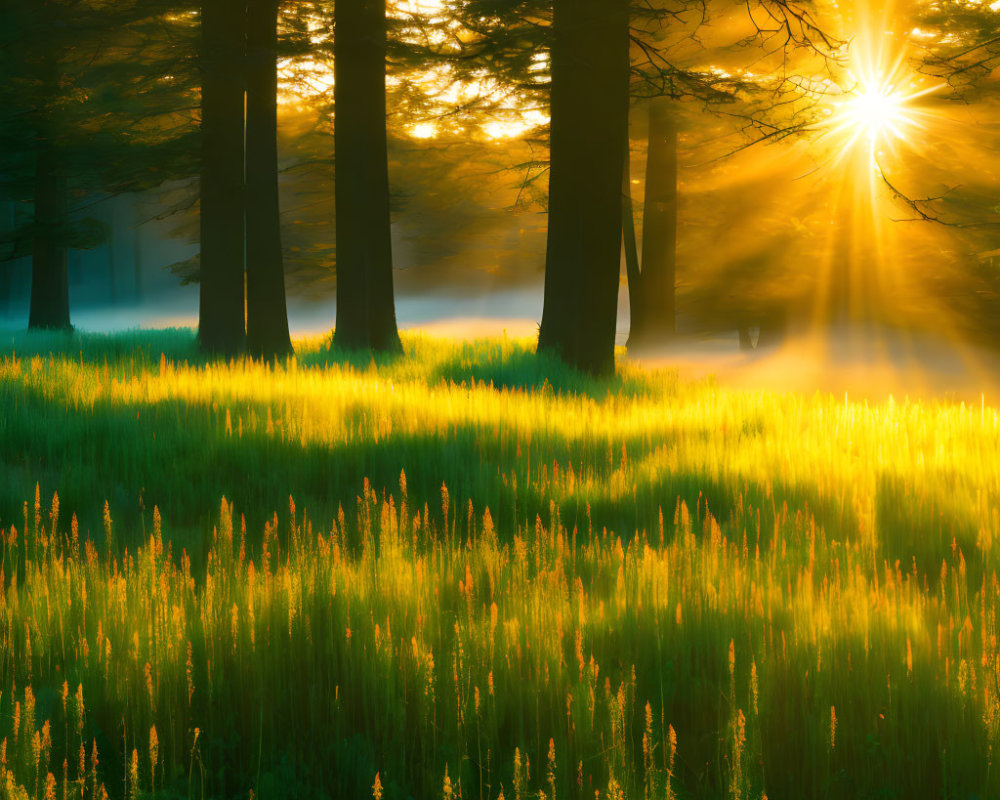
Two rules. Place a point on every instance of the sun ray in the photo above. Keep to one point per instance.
(878, 120)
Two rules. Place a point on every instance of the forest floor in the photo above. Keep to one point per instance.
(468, 572)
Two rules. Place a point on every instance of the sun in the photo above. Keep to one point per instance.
(875, 112)
(876, 107)
(878, 112)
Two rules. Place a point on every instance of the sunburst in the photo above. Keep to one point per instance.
(880, 108)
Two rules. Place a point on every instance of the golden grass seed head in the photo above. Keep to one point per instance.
(154, 749)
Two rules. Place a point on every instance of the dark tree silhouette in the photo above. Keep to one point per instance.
(267, 315)
(36, 112)
(221, 327)
(366, 314)
(506, 36)
(653, 287)
(589, 107)
(49, 278)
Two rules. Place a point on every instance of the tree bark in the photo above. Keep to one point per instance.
(366, 312)
(659, 230)
(221, 320)
(49, 308)
(267, 313)
(836, 290)
(6, 263)
(112, 267)
(137, 251)
(6, 287)
(589, 109)
(633, 274)
(773, 330)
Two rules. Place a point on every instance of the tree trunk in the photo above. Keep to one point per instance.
(7, 263)
(6, 287)
(366, 312)
(659, 229)
(221, 321)
(49, 307)
(836, 290)
(589, 109)
(137, 250)
(632, 270)
(267, 314)
(773, 330)
(112, 267)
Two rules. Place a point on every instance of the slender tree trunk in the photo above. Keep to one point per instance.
(633, 272)
(267, 314)
(659, 230)
(589, 109)
(137, 252)
(773, 330)
(221, 320)
(137, 262)
(6, 287)
(7, 265)
(366, 312)
(49, 307)
(836, 290)
(112, 267)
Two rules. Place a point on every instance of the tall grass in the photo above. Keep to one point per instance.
(495, 577)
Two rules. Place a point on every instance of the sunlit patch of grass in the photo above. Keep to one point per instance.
(493, 569)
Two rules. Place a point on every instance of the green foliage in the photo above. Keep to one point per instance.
(107, 89)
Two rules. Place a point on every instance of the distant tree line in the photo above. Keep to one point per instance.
(100, 98)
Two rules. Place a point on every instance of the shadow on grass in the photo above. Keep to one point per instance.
(143, 349)
(329, 355)
(177, 344)
(181, 457)
(516, 367)
(500, 363)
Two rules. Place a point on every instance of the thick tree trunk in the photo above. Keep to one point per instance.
(589, 110)
(659, 230)
(366, 312)
(267, 314)
(221, 322)
(49, 307)
(632, 269)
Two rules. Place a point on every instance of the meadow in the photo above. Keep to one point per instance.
(469, 572)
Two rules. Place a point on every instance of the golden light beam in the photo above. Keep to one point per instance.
(876, 119)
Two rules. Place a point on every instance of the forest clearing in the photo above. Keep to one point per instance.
(499, 399)
(442, 574)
